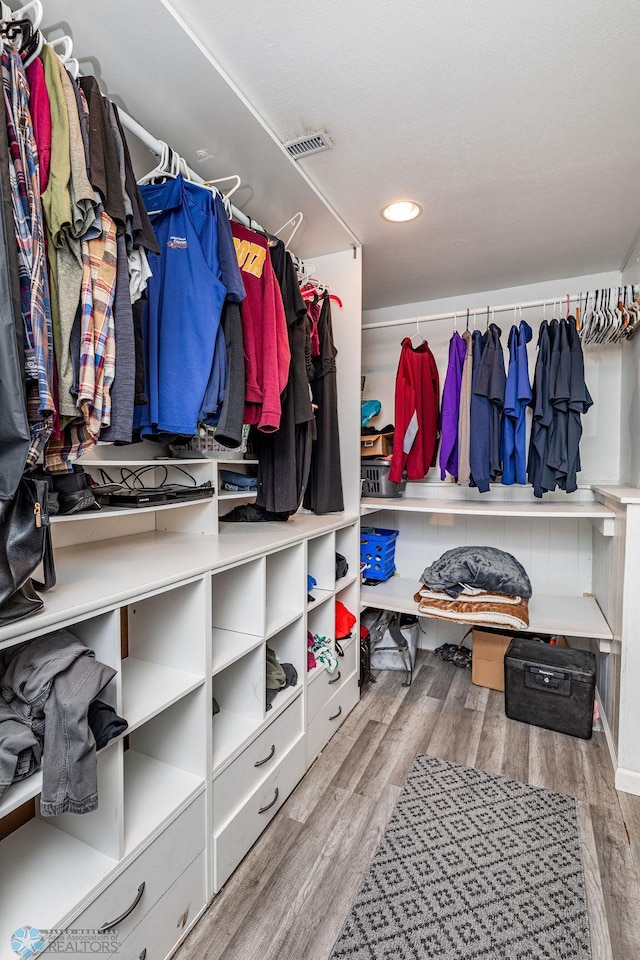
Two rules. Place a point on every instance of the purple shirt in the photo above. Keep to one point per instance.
(451, 407)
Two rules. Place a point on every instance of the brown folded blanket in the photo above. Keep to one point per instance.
(492, 610)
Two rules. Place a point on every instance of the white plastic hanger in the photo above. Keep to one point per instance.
(34, 6)
(164, 169)
(66, 43)
(296, 220)
(419, 332)
(73, 67)
(226, 197)
(229, 193)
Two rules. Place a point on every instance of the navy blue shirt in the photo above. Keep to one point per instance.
(480, 426)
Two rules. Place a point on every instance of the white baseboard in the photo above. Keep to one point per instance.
(628, 781)
(613, 753)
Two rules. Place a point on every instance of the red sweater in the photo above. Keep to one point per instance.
(417, 417)
(264, 329)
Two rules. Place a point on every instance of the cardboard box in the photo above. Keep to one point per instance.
(487, 663)
(376, 445)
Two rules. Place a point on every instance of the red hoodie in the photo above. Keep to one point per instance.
(264, 328)
(417, 416)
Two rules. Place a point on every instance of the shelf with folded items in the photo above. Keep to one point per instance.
(548, 614)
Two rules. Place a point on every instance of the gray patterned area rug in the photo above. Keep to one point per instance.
(472, 865)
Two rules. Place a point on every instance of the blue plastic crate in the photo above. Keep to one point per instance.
(377, 552)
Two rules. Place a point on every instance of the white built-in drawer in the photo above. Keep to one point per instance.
(238, 781)
(170, 918)
(325, 685)
(332, 714)
(157, 868)
(238, 836)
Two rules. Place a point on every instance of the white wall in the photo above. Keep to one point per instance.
(600, 447)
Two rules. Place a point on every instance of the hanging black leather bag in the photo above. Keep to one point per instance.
(25, 543)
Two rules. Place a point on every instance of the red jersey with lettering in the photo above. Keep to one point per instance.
(264, 328)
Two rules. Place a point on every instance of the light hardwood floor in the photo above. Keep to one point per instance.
(290, 896)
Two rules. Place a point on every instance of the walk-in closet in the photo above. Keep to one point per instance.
(319, 481)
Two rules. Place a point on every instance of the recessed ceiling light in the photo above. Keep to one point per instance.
(401, 210)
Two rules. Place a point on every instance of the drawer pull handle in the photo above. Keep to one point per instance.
(336, 715)
(269, 805)
(259, 763)
(335, 679)
(123, 916)
(143, 955)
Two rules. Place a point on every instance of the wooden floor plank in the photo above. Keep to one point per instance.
(356, 760)
(620, 884)
(303, 800)
(290, 896)
(598, 924)
(398, 748)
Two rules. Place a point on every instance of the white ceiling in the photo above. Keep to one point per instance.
(513, 124)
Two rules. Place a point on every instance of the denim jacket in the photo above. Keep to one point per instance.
(48, 684)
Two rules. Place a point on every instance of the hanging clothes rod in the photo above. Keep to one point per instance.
(153, 144)
(479, 311)
(156, 147)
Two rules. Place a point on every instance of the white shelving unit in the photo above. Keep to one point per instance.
(571, 614)
(183, 606)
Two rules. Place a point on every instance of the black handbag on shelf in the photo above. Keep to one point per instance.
(25, 543)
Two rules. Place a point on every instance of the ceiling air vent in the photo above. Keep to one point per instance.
(310, 143)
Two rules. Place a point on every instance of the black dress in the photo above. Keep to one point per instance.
(324, 490)
(284, 456)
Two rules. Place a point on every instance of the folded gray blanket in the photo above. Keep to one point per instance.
(488, 568)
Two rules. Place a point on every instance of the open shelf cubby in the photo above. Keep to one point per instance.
(239, 693)
(238, 600)
(289, 646)
(321, 622)
(348, 544)
(285, 587)
(164, 767)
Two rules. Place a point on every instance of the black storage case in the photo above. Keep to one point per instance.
(549, 686)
